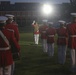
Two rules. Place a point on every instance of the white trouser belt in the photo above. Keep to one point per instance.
(50, 35)
(7, 48)
(62, 37)
(72, 35)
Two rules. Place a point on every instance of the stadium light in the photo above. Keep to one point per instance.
(47, 9)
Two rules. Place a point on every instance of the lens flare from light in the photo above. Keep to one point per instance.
(47, 9)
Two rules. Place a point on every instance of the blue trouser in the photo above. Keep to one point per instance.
(44, 44)
(62, 53)
(50, 49)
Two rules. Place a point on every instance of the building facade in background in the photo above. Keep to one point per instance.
(25, 13)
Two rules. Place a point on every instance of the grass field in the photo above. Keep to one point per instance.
(35, 62)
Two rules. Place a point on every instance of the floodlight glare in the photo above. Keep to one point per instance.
(47, 9)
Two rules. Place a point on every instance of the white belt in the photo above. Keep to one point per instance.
(50, 35)
(62, 37)
(43, 31)
(7, 48)
(72, 35)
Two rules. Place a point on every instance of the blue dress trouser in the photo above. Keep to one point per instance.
(62, 53)
(50, 49)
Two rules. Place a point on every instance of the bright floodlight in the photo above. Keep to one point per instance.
(47, 9)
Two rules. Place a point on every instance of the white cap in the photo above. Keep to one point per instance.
(3, 19)
(9, 16)
(44, 20)
(61, 21)
(73, 14)
(50, 22)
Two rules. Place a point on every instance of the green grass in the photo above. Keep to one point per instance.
(35, 62)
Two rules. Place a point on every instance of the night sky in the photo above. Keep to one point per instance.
(52, 1)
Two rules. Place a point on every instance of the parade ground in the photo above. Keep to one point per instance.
(34, 61)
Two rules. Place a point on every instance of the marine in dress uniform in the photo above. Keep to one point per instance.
(62, 42)
(13, 26)
(36, 32)
(43, 29)
(72, 41)
(6, 40)
(50, 38)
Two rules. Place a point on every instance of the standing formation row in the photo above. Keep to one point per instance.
(66, 37)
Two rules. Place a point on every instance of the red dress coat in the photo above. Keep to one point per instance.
(6, 55)
(43, 31)
(62, 36)
(13, 26)
(50, 35)
(72, 35)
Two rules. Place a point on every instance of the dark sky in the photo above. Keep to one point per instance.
(53, 1)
